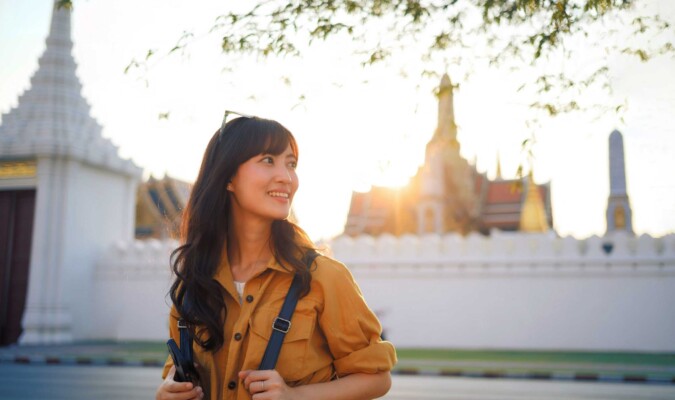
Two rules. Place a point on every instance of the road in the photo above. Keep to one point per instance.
(52, 382)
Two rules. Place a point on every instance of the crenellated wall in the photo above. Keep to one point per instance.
(504, 248)
(515, 290)
(131, 283)
(507, 291)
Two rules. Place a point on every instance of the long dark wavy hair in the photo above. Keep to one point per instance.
(196, 295)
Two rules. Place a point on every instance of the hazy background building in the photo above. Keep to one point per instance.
(448, 194)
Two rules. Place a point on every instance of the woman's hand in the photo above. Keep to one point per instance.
(172, 390)
(266, 385)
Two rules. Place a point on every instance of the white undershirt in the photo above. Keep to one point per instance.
(240, 289)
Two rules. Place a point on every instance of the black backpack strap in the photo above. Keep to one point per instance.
(182, 356)
(185, 339)
(282, 323)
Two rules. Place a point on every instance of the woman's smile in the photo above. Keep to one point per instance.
(280, 196)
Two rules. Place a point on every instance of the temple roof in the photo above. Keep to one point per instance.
(449, 194)
(52, 117)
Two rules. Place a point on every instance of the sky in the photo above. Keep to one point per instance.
(355, 126)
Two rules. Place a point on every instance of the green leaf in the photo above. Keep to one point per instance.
(132, 64)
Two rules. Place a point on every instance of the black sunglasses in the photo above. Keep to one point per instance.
(227, 114)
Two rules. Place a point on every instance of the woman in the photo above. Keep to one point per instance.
(233, 271)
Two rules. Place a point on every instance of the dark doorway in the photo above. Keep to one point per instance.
(17, 209)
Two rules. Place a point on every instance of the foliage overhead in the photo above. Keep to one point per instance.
(515, 34)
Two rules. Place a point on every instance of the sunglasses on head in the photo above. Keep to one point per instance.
(227, 114)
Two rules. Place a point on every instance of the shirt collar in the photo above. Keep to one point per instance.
(224, 274)
(275, 265)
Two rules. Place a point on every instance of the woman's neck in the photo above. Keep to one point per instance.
(248, 247)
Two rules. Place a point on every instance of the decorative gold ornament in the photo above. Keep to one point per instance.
(17, 169)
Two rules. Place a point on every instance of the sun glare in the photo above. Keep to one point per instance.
(395, 173)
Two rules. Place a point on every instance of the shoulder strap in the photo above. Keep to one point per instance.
(182, 356)
(282, 323)
(185, 339)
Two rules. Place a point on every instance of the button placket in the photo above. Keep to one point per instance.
(241, 325)
(234, 353)
(240, 329)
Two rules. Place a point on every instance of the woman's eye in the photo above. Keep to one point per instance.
(268, 160)
(293, 164)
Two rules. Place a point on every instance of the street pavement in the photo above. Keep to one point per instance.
(60, 382)
(141, 354)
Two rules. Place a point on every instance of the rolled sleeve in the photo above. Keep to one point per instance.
(352, 330)
(376, 357)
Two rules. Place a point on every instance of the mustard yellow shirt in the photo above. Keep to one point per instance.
(333, 332)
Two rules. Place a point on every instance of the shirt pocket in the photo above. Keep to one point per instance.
(290, 364)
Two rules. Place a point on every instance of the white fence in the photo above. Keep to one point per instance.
(506, 291)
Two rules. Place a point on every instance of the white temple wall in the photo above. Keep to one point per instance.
(508, 291)
(93, 193)
(519, 291)
(132, 281)
(483, 307)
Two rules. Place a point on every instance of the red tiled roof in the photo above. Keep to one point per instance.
(503, 192)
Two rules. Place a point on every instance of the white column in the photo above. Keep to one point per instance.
(46, 318)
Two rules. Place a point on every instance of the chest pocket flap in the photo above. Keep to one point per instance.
(291, 363)
(301, 325)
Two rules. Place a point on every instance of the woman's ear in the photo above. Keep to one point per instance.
(229, 187)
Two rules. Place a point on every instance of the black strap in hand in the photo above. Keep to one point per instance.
(282, 323)
(182, 356)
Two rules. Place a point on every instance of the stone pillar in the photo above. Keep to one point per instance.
(619, 213)
(47, 319)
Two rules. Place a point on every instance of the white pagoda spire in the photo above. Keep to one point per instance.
(84, 192)
(52, 116)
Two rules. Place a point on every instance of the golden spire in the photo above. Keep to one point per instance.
(498, 175)
(533, 214)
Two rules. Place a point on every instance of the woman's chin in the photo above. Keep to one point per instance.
(283, 216)
(278, 216)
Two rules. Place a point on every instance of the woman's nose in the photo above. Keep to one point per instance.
(284, 175)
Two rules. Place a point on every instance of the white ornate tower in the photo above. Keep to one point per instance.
(619, 214)
(447, 198)
(84, 191)
(431, 206)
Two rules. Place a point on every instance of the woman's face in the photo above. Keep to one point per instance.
(264, 186)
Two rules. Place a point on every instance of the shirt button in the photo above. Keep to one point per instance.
(232, 385)
(249, 298)
(237, 336)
